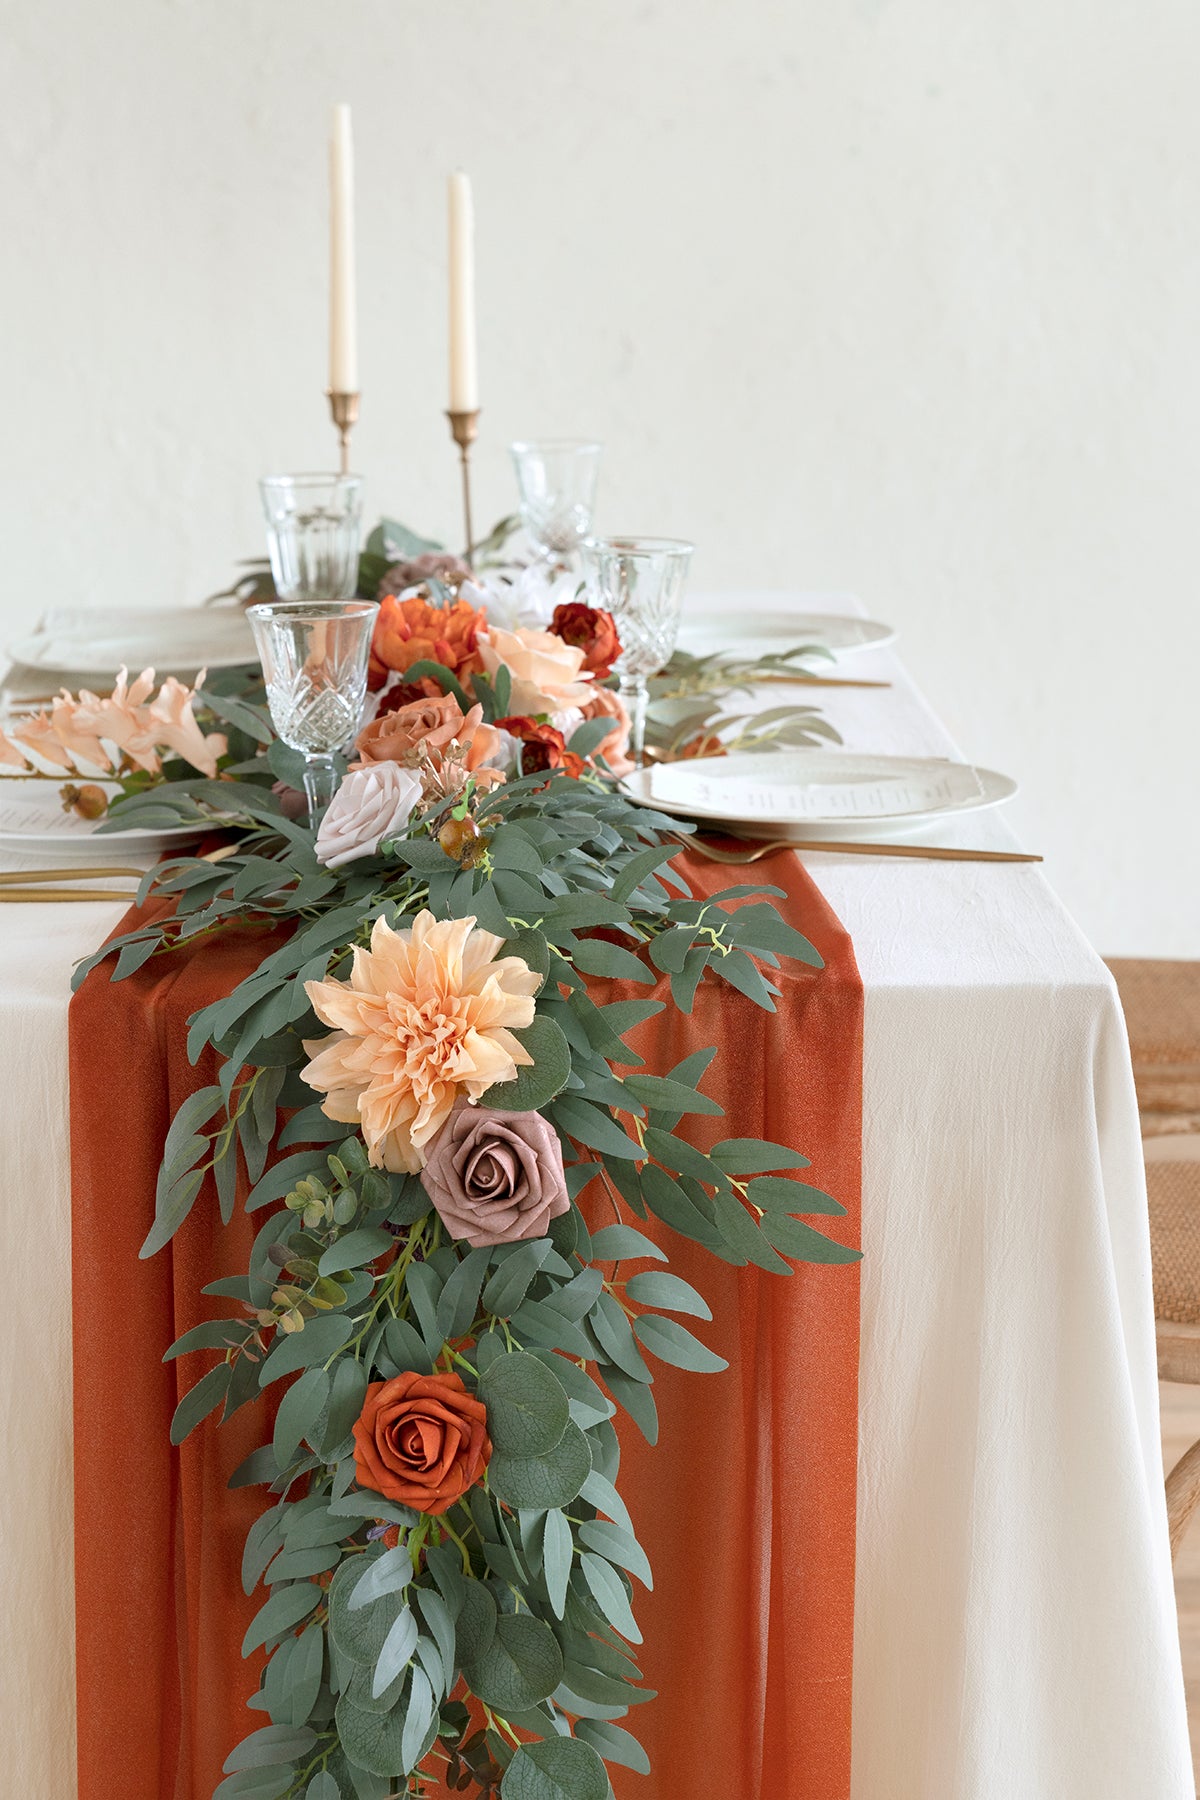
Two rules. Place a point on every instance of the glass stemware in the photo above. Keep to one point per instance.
(313, 524)
(639, 580)
(314, 658)
(556, 478)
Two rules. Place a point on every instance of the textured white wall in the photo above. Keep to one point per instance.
(894, 295)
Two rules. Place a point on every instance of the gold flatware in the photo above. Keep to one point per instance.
(62, 872)
(853, 847)
(46, 895)
(799, 680)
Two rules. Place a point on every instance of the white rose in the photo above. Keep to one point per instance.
(372, 804)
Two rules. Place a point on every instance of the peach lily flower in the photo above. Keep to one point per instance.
(122, 717)
(174, 727)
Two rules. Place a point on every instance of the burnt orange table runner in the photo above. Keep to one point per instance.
(746, 1507)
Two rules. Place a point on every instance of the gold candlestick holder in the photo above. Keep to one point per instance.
(344, 408)
(464, 429)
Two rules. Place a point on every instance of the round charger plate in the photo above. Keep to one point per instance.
(755, 633)
(73, 641)
(989, 789)
(33, 823)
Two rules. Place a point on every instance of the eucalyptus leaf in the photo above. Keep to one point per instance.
(527, 1411)
(669, 1341)
(521, 1666)
(555, 1769)
(550, 1479)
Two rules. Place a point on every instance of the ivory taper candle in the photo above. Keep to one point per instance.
(343, 322)
(464, 374)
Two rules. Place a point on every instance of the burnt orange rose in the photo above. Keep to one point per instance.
(413, 630)
(424, 727)
(542, 746)
(590, 629)
(421, 1440)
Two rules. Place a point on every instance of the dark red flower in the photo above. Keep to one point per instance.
(590, 629)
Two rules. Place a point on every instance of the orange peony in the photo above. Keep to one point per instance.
(414, 630)
(427, 1015)
(424, 726)
(542, 746)
(421, 1440)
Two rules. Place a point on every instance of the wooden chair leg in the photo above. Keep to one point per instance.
(1183, 1495)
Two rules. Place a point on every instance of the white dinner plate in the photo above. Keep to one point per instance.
(818, 793)
(33, 823)
(80, 641)
(754, 633)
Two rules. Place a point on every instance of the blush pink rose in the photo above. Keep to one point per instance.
(372, 804)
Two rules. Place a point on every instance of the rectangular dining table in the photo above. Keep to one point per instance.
(1015, 1634)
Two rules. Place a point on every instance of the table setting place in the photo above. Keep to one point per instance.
(531, 1304)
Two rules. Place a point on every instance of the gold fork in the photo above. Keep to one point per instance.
(853, 847)
(62, 872)
(49, 895)
(24, 886)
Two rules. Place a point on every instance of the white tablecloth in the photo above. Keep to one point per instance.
(1015, 1620)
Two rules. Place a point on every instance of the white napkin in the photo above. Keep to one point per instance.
(816, 785)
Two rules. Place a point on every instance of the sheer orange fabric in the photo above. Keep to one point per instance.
(746, 1508)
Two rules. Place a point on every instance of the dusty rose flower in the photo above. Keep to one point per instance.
(414, 630)
(496, 1177)
(421, 1440)
(431, 565)
(175, 728)
(545, 671)
(615, 747)
(292, 803)
(427, 1015)
(372, 804)
(11, 755)
(425, 726)
(592, 630)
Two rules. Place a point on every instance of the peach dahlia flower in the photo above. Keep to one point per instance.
(427, 1015)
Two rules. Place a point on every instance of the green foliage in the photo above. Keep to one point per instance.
(520, 1595)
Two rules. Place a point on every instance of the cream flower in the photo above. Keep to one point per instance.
(427, 1015)
(544, 670)
(372, 803)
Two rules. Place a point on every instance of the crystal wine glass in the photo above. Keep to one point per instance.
(557, 482)
(314, 658)
(313, 524)
(639, 580)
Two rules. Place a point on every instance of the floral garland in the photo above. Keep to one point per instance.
(449, 1563)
